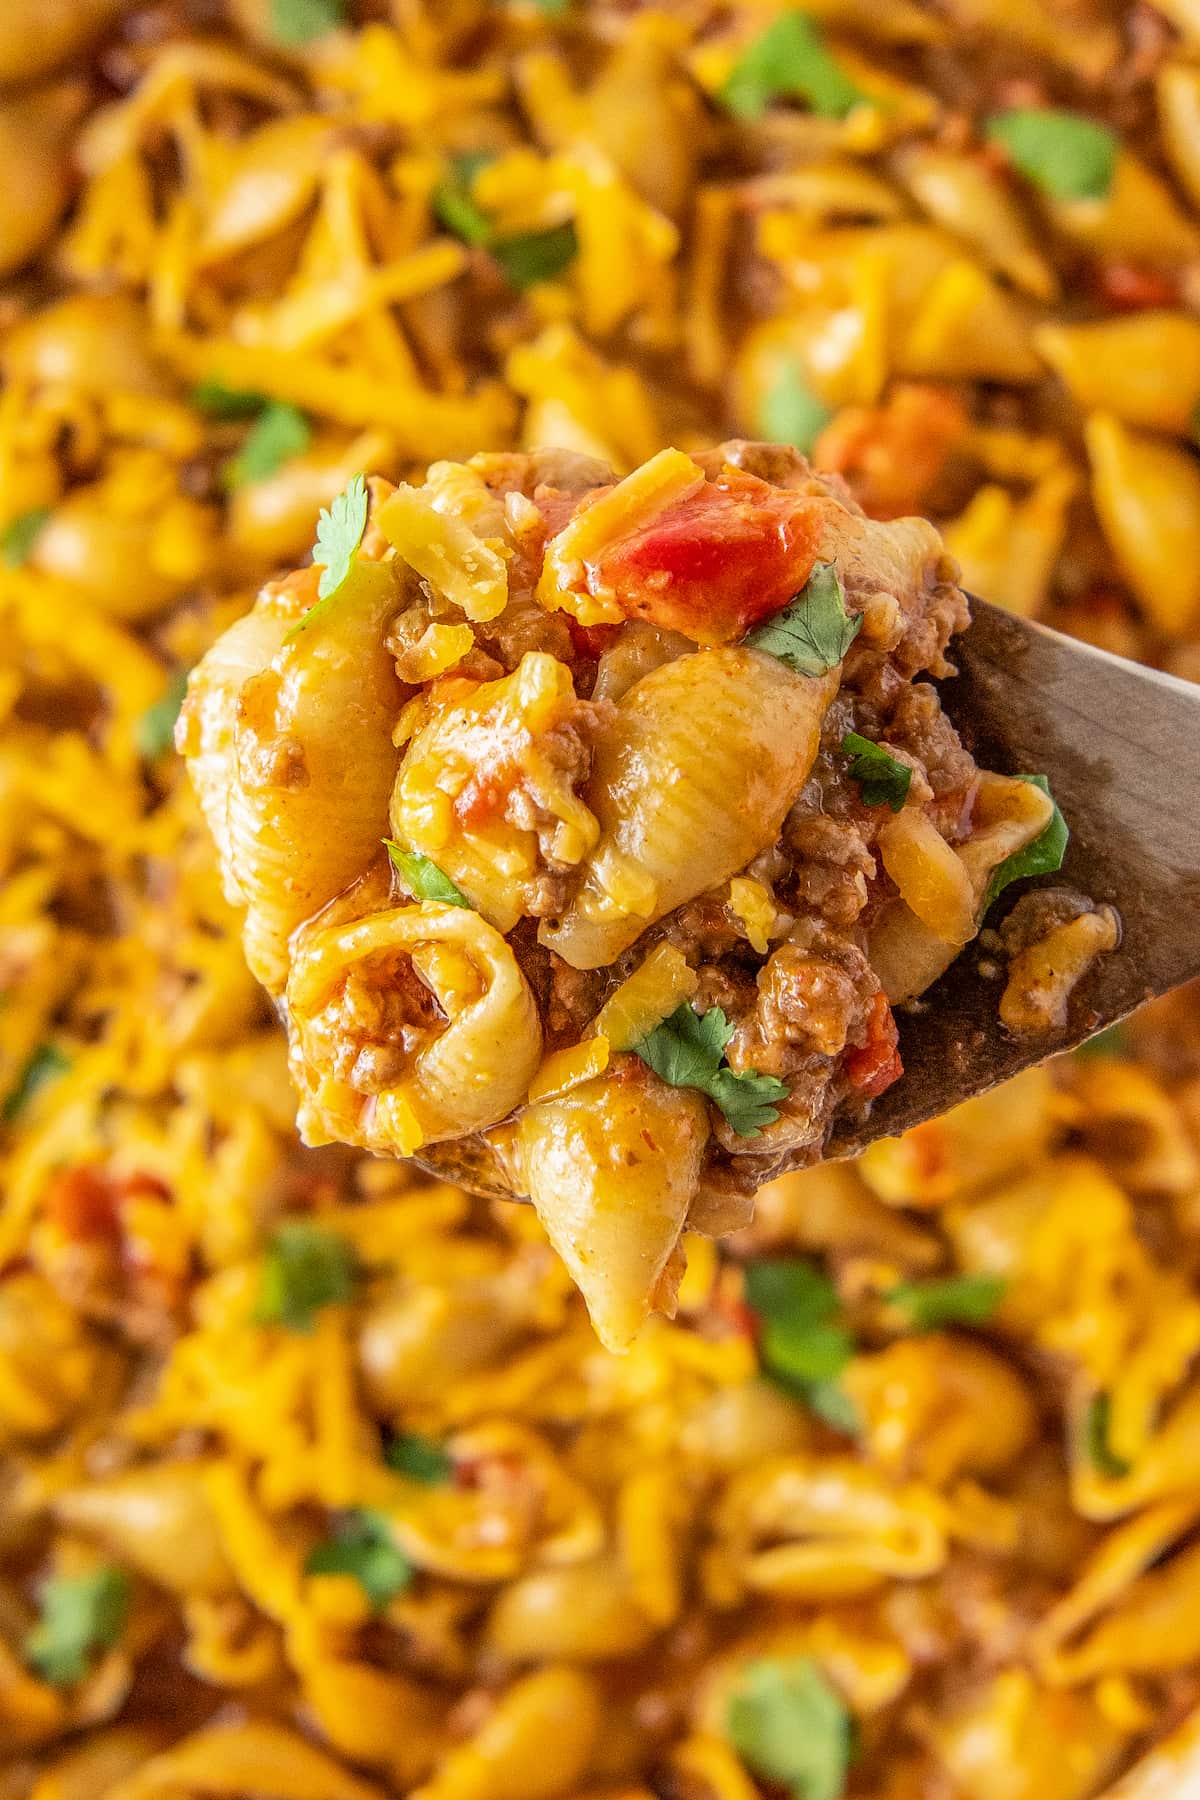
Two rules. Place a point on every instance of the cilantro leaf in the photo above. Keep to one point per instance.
(536, 255)
(884, 779)
(211, 396)
(791, 1728)
(1112, 1041)
(19, 536)
(814, 631)
(419, 1458)
(300, 21)
(80, 1614)
(687, 1050)
(789, 61)
(1095, 1439)
(1067, 156)
(340, 526)
(452, 203)
(954, 1300)
(44, 1065)
(802, 1344)
(362, 1545)
(304, 1268)
(1043, 857)
(278, 433)
(552, 9)
(423, 878)
(790, 413)
(155, 731)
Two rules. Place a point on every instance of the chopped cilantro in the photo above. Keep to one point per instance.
(452, 203)
(45, 1064)
(954, 1300)
(300, 21)
(1095, 1440)
(19, 536)
(1043, 857)
(339, 532)
(687, 1050)
(278, 433)
(833, 1406)
(789, 61)
(304, 1268)
(791, 1728)
(803, 1345)
(211, 396)
(814, 631)
(80, 1614)
(790, 413)
(1067, 156)
(536, 255)
(423, 878)
(552, 9)
(884, 779)
(419, 1458)
(155, 730)
(362, 1545)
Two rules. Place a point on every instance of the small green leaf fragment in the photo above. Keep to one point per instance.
(790, 413)
(790, 60)
(536, 256)
(20, 535)
(1043, 857)
(44, 1065)
(813, 632)
(80, 1615)
(212, 397)
(954, 1300)
(1113, 1041)
(278, 433)
(791, 1728)
(1095, 1440)
(1068, 156)
(423, 878)
(340, 526)
(687, 1050)
(297, 22)
(419, 1458)
(883, 778)
(362, 1546)
(304, 1268)
(155, 731)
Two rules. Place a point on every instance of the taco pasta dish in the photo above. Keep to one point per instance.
(494, 441)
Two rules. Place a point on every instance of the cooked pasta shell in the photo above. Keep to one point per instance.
(961, 193)
(612, 1167)
(689, 783)
(1147, 494)
(1144, 368)
(298, 755)
(462, 1064)
(1139, 218)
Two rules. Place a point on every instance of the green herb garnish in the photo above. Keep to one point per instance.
(1112, 1041)
(1067, 156)
(278, 433)
(1043, 857)
(300, 21)
(814, 631)
(791, 1728)
(80, 1614)
(45, 1064)
(155, 731)
(20, 535)
(536, 255)
(419, 1458)
(1095, 1439)
(802, 1342)
(789, 61)
(363, 1546)
(340, 526)
(688, 1050)
(211, 396)
(423, 878)
(790, 413)
(304, 1268)
(954, 1300)
(452, 203)
(884, 779)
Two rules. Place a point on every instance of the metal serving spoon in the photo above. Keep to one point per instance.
(1121, 747)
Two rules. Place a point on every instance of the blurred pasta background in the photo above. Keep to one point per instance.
(315, 1483)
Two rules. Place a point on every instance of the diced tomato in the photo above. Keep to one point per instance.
(83, 1203)
(591, 640)
(716, 563)
(877, 1064)
(1129, 288)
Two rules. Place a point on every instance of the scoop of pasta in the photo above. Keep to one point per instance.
(587, 830)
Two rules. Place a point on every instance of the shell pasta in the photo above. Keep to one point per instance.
(589, 830)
